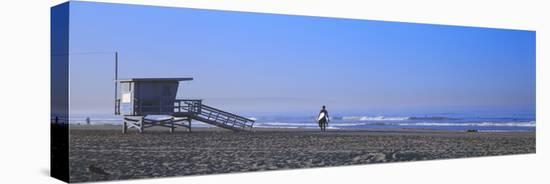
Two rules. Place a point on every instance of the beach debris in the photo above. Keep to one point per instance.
(471, 130)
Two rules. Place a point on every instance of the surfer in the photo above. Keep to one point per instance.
(323, 119)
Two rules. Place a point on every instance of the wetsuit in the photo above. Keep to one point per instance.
(323, 121)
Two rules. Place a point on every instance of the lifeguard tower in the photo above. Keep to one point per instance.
(139, 99)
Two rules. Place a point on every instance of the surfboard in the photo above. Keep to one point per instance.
(321, 116)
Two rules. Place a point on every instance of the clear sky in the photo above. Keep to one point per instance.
(267, 63)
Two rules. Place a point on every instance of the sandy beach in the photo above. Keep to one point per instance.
(102, 152)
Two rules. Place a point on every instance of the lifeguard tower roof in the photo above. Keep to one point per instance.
(155, 79)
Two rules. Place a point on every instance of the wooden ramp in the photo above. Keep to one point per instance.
(212, 116)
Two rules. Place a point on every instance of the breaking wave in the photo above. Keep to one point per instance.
(385, 118)
(347, 124)
(478, 124)
(374, 118)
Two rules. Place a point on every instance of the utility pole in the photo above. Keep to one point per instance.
(116, 80)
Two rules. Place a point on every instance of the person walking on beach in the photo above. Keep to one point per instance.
(323, 119)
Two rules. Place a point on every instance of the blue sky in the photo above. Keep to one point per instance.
(267, 63)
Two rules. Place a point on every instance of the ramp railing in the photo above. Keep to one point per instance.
(222, 118)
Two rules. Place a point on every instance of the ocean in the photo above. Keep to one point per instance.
(482, 122)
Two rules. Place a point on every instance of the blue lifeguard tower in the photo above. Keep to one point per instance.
(139, 99)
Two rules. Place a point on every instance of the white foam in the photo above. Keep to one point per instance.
(374, 118)
(483, 124)
(260, 126)
(285, 124)
(306, 124)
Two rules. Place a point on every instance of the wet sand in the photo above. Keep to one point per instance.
(104, 153)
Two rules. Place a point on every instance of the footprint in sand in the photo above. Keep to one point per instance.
(97, 170)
